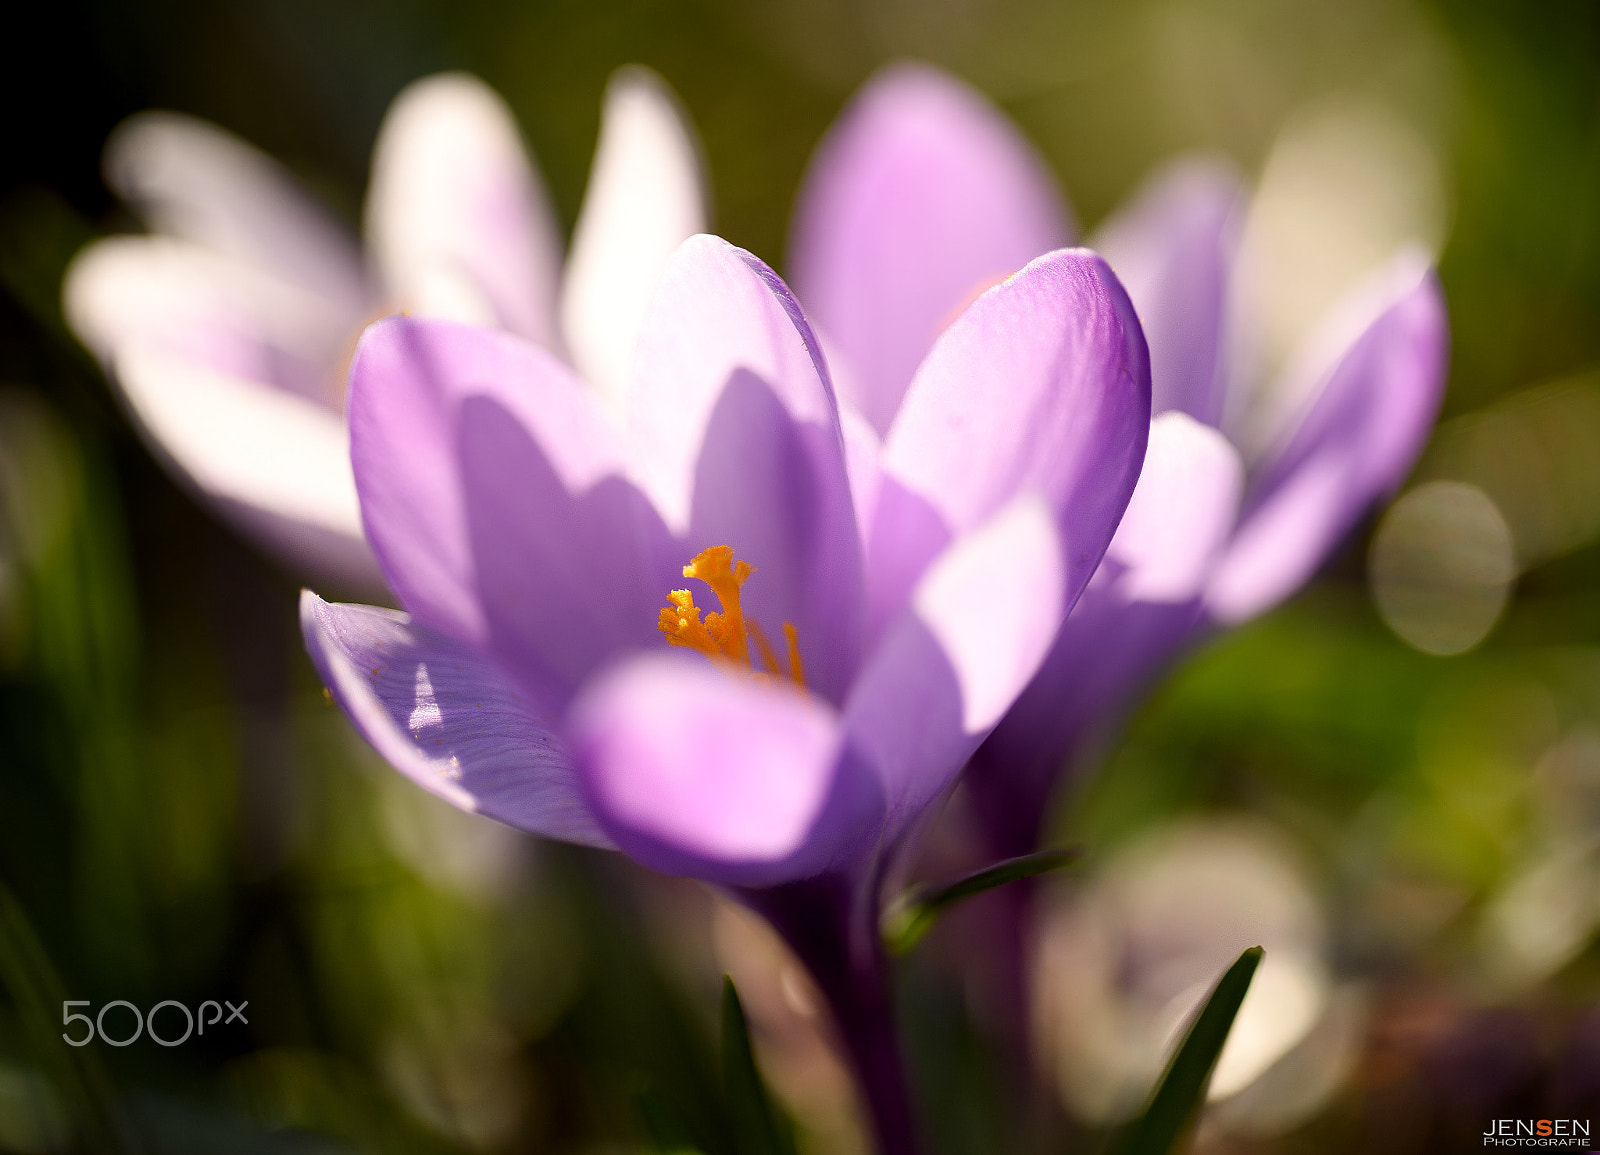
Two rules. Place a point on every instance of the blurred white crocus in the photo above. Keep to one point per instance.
(1125, 960)
(229, 327)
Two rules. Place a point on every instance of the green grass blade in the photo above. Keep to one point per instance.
(913, 918)
(75, 1072)
(1170, 1117)
(758, 1129)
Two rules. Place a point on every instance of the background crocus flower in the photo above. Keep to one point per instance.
(227, 330)
(542, 673)
(922, 192)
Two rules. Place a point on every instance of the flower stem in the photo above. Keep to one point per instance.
(837, 938)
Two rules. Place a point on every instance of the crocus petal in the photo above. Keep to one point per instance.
(193, 180)
(457, 216)
(1180, 514)
(715, 774)
(646, 196)
(920, 197)
(276, 464)
(1141, 607)
(448, 718)
(491, 492)
(1108, 650)
(173, 296)
(734, 435)
(1357, 440)
(1042, 385)
(976, 628)
(1172, 247)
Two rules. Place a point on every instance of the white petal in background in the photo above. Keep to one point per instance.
(193, 180)
(1123, 963)
(1347, 183)
(646, 196)
(458, 220)
(279, 464)
(161, 292)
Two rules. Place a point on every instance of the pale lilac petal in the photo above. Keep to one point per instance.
(1108, 650)
(715, 774)
(734, 435)
(1173, 247)
(491, 491)
(448, 718)
(646, 196)
(861, 452)
(276, 464)
(190, 179)
(457, 217)
(184, 301)
(1041, 385)
(1139, 610)
(921, 196)
(1358, 439)
(977, 627)
(1180, 515)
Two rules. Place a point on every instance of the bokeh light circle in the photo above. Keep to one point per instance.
(1441, 566)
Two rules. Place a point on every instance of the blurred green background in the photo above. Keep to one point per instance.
(181, 817)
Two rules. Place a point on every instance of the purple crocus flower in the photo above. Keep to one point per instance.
(874, 622)
(228, 328)
(921, 191)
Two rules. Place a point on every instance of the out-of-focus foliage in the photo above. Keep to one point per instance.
(182, 817)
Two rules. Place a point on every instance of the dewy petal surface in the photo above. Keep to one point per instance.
(190, 179)
(646, 196)
(1358, 438)
(714, 774)
(448, 718)
(491, 491)
(921, 196)
(457, 216)
(1041, 385)
(734, 434)
(1173, 248)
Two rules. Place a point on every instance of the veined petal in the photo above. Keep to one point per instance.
(1042, 385)
(193, 180)
(1173, 247)
(734, 434)
(172, 296)
(722, 776)
(646, 196)
(491, 491)
(448, 718)
(1180, 515)
(457, 217)
(1358, 438)
(921, 196)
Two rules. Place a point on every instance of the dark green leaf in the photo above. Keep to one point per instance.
(666, 1131)
(1175, 1106)
(758, 1129)
(913, 918)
